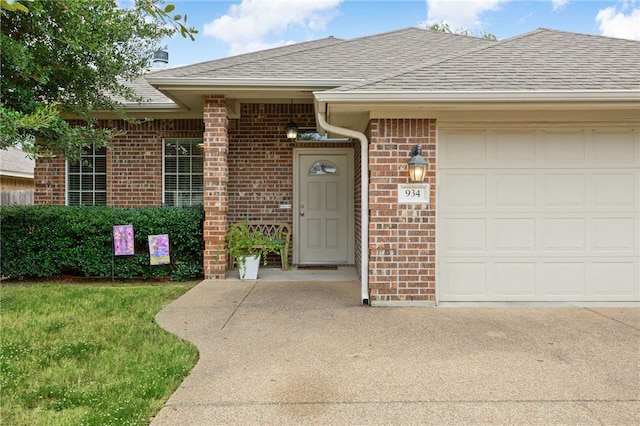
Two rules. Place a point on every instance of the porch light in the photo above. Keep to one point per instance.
(417, 165)
(292, 127)
(292, 130)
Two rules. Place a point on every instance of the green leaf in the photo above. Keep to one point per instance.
(169, 8)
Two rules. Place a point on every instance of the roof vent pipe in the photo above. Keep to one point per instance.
(160, 59)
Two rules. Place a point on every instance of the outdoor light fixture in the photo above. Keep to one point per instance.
(417, 165)
(292, 127)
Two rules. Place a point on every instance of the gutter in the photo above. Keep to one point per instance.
(364, 205)
(187, 83)
(386, 96)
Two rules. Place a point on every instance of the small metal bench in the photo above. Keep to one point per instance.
(277, 231)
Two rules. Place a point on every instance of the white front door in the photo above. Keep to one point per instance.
(323, 206)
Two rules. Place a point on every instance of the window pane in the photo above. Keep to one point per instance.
(101, 183)
(74, 198)
(183, 171)
(100, 165)
(87, 183)
(101, 199)
(73, 182)
(170, 183)
(86, 179)
(323, 167)
(184, 184)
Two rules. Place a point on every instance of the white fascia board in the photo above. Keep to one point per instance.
(16, 174)
(242, 83)
(152, 106)
(485, 96)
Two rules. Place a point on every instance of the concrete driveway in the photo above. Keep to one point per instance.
(307, 353)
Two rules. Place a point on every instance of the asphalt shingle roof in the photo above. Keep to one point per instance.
(357, 59)
(416, 60)
(539, 60)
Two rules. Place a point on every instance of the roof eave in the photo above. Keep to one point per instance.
(479, 96)
(244, 83)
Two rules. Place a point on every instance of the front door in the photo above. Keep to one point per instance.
(323, 206)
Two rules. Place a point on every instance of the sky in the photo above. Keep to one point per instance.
(228, 28)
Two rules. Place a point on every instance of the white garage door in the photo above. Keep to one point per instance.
(534, 215)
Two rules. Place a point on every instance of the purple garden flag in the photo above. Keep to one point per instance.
(159, 249)
(123, 240)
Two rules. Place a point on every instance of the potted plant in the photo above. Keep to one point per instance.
(247, 247)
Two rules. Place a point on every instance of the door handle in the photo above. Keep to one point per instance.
(301, 213)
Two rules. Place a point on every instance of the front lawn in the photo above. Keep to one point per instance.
(87, 354)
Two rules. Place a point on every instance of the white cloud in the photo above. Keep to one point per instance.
(460, 15)
(558, 4)
(614, 23)
(248, 26)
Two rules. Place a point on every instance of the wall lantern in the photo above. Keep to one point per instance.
(292, 127)
(417, 165)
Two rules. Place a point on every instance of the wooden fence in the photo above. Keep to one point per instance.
(24, 197)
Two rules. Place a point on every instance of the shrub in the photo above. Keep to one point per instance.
(42, 241)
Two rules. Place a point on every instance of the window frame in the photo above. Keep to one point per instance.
(179, 195)
(82, 172)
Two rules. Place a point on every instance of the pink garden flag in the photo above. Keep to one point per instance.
(159, 249)
(123, 242)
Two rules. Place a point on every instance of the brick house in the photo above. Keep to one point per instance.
(532, 144)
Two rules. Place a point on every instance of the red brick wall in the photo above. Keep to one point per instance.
(134, 164)
(401, 236)
(49, 177)
(261, 161)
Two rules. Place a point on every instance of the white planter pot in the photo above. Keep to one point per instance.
(249, 268)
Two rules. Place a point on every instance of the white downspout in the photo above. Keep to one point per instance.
(364, 205)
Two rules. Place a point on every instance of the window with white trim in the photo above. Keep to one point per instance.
(183, 178)
(87, 178)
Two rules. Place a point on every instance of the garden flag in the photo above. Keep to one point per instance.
(159, 249)
(123, 242)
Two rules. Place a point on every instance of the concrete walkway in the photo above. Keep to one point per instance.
(274, 352)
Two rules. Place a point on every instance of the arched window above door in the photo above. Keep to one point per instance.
(323, 167)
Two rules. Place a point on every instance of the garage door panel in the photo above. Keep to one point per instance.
(564, 278)
(615, 234)
(464, 190)
(466, 278)
(565, 148)
(465, 148)
(614, 189)
(465, 235)
(515, 235)
(565, 227)
(615, 279)
(515, 278)
(515, 190)
(563, 190)
(510, 147)
(615, 149)
(564, 234)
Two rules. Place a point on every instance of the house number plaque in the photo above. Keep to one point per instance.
(413, 193)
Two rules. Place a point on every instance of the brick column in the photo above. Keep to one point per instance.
(216, 178)
(401, 236)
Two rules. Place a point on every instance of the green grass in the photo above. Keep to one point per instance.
(87, 354)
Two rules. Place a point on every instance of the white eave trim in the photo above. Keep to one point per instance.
(243, 83)
(152, 106)
(483, 96)
(17, 174)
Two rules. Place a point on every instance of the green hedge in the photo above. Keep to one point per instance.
(43, 241)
